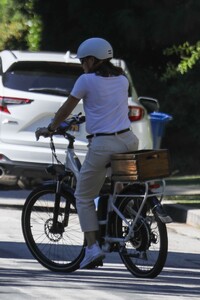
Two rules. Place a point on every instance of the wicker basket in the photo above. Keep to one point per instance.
(140, 165)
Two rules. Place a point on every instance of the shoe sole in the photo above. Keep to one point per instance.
(97, 260)
(96, 264)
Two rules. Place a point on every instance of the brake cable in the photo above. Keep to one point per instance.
(53, 151)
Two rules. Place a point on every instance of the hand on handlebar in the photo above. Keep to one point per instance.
(64, 126)
(42, 131)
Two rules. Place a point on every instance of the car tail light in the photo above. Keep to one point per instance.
(136, 113)
(5, 101)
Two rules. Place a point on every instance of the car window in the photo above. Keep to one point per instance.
(41, 76)
(46, 77)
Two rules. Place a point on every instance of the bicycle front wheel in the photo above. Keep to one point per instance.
(145, 253)
(60, 249)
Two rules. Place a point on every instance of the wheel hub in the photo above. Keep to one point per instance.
(54, 233)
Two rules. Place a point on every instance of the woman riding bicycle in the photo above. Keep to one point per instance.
(104, 90)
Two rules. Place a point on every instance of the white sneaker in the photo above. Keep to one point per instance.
(92, 255)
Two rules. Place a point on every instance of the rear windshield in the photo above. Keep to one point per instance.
(41, 76)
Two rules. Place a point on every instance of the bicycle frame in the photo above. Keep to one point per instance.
(72, 162)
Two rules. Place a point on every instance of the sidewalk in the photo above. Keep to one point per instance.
(182, 190)
(187, 214)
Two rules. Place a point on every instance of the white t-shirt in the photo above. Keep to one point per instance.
(105, 101)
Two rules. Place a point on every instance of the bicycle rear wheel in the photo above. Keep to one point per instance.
(145, 253)
(57, 250)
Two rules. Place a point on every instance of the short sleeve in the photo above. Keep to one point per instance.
(79, 90)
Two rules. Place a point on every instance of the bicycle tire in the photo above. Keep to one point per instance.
(59, 252)
(146, 252)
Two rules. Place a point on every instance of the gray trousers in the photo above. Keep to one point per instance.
(93, 172)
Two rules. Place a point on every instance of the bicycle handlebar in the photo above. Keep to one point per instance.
(62, 128)
(65, 125)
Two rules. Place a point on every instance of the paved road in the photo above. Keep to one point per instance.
(23, 278)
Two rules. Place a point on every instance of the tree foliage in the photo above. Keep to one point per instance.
(188, 56)
(20, 27)
(13, 26)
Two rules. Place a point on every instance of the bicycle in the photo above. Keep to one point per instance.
(129, 223)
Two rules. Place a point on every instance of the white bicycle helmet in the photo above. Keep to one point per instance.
(96, 47)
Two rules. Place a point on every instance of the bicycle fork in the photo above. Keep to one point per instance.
(57, 226)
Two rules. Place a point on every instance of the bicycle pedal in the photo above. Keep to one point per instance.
(95, 264)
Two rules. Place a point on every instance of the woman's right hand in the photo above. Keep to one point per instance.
(42, 131)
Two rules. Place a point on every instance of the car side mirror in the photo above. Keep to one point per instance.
(150, 104)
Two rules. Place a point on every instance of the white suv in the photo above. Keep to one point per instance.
(33, 85)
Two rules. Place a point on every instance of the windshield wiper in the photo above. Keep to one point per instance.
(53, 91)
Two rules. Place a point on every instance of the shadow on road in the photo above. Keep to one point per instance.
(181, 278)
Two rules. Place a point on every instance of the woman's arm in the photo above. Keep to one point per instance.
(63, 112)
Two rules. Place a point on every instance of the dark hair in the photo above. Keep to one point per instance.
(106, 69)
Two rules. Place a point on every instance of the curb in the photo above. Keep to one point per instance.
(182, 214)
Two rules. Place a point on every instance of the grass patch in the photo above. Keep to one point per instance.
(189, 200)
(183, 180)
